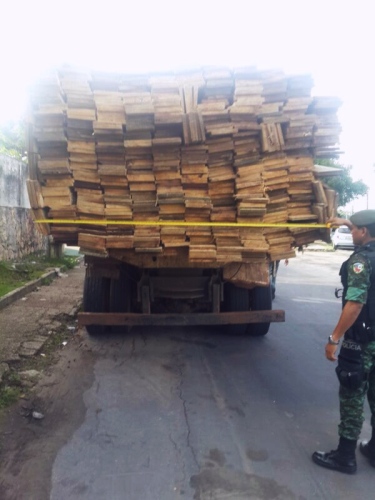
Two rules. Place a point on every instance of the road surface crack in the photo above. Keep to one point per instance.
(185, 410)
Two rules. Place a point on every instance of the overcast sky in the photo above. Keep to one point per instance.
(332, 40)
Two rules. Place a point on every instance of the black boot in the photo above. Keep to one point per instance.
(367, 448)
(368, 451)
(342, 459)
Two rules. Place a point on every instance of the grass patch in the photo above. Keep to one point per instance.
(10, 389)
(9, 395)
(14, 274)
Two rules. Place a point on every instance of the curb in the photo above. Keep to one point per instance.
(18, 293)
(319, 249)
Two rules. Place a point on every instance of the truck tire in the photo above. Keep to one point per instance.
(261, 300)
(120, 299)
(236, 299)
(95, 299)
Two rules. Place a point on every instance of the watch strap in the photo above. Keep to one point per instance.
(332, 342)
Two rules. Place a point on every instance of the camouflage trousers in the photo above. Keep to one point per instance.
(352, 401)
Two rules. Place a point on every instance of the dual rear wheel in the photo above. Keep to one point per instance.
(106, 295)
(242, 299)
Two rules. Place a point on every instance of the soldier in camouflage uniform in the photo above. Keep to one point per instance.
(357, 323)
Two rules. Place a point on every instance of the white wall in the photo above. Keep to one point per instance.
(13, 175)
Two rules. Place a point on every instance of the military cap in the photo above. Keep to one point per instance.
(363, 218)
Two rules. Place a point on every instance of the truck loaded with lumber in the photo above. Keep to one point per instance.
(180, 189)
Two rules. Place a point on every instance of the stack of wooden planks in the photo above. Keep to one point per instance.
(213, 145)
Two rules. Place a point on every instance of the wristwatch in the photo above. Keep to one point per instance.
(332, 342)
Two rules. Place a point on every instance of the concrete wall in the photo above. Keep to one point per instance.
(18, 235)
(13, 175)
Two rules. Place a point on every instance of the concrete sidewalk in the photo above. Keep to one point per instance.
(28, 322)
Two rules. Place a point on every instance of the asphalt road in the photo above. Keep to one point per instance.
(199, 414)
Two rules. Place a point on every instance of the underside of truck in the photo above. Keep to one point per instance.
(118, 295)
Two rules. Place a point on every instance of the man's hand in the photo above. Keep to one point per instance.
(330, 352)
(337, 221)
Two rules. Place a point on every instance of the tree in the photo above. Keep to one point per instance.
(343, 184)
(12, 140)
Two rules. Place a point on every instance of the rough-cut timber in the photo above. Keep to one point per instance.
(211, 145)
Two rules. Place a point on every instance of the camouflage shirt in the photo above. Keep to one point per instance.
(359, 273)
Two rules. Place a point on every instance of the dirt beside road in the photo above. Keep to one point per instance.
(38, 315)
(28, 445)
(32, 331)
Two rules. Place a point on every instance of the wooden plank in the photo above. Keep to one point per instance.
(213, 144)
(224, 318)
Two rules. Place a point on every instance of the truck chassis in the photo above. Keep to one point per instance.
(117, 294)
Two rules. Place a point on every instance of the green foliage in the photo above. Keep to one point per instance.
(343, 184)
(10, 388)
(12, 140)
(16, 274)
(8, 396)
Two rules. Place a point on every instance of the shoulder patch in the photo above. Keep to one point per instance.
(358, 267)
